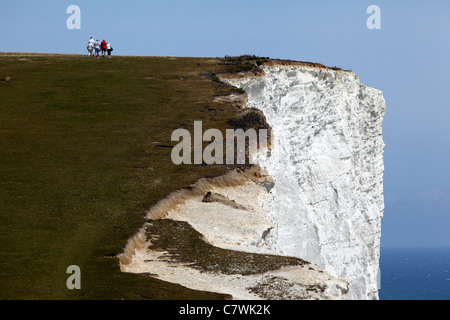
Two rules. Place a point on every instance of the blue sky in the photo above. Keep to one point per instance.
(408, 59)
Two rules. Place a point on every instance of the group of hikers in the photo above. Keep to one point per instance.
(94, 48)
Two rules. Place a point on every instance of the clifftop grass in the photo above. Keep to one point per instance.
(81, 160)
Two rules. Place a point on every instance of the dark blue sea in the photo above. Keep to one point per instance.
(415, 273)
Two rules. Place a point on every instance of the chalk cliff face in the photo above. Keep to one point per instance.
(327, 163)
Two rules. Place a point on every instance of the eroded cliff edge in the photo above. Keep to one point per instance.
(327, 164)
(318, 198)
(213, 237)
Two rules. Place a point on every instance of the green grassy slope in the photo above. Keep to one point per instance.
(81, 160)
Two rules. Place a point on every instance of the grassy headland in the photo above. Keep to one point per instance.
(85, 151)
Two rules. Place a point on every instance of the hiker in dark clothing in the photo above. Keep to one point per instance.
(109, 48)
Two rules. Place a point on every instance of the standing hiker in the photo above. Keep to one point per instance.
(90, 47)
(97, 49)
(109, 48)
(103, 46)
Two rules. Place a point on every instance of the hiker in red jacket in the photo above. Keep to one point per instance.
(103, 45)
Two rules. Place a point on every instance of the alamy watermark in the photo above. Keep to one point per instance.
(74, 20)
(237, 143)
(74, 281)
(374, 21)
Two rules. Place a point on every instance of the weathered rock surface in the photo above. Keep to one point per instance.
(327, 164)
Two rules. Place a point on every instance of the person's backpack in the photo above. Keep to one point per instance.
(112, 49)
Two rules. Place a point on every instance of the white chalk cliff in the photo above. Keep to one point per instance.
(318, 197)
(327, 164)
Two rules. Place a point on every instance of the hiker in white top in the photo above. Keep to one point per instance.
(90, 47)
(109, 49)
(97, 49)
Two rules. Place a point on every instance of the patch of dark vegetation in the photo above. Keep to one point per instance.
(184, 244)
(238, 90)
(245, 67)
(249, 118)
(261, 61)
(308, 64)
(212, 109)
(211, 113)
(244, 63)
(244, 57)
(211, 76)
(208, 74)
